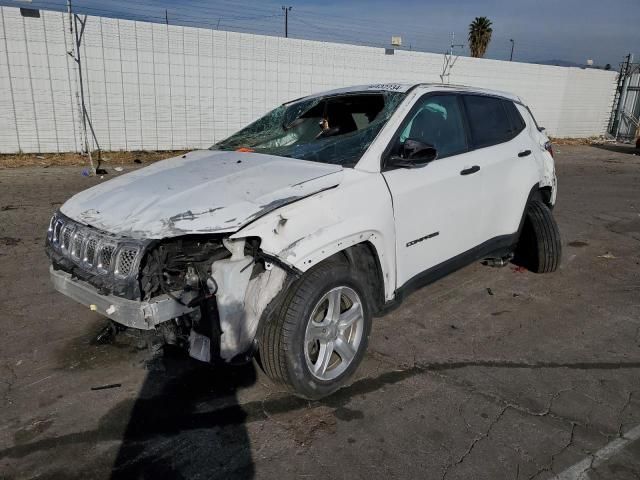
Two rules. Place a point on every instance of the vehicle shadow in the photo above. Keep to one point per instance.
(174, 430)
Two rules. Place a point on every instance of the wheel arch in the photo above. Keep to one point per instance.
(544, 194)
(364, 261)
(365, 252)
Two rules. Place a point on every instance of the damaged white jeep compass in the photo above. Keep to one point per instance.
(285, 239)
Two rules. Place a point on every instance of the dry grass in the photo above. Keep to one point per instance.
(109, 159)
(578, 141)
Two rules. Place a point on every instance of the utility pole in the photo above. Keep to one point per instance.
(512, 45)
(286, 11)
(166, 16)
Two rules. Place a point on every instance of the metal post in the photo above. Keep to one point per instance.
(623, 93)
(512, 45)
(286, 20)
(77, 38)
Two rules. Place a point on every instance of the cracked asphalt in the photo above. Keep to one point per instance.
(486, 374)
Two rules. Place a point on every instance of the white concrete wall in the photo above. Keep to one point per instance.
(156, 87)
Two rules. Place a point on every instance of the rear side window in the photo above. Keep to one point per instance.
(489, 120)
(517, 122)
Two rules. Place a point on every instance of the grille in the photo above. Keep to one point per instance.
(126, 258)
(92, 250)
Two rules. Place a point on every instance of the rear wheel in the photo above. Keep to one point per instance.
(539, 248)
(317, 339)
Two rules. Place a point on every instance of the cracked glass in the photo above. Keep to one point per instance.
(334, 129)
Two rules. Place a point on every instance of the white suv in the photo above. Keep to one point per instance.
(286, 238)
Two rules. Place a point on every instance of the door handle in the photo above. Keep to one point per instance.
(470, 170)
(524, 153)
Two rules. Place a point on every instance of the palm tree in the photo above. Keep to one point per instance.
(479, 36)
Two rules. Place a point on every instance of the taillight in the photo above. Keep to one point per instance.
(548, 148)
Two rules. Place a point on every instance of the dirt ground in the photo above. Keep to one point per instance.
(108, 160)
(487, 374)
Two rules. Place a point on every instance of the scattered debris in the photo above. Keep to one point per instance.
(107, 334)
(519, 269)
(578, 244)
(9, 241)
(453, 327)
(8, 207)
(489, 291)
(105, 387)
(607, 255)
(118, 169)
(137, 160)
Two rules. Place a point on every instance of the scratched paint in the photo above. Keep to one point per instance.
(202, 192)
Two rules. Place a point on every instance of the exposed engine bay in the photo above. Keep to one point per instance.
(206, 293)
(227, 284)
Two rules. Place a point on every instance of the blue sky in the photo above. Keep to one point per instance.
(573, 30)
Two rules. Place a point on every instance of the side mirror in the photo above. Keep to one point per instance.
(414, 154)
(541, 129)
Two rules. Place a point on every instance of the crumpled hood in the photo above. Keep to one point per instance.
(202, 192)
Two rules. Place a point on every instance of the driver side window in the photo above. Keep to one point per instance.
(437, 120)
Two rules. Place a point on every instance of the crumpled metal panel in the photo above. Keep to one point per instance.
(200, 192)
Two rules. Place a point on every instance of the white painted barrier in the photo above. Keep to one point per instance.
(150, 86)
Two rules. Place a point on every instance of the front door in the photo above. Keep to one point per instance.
(437, 206)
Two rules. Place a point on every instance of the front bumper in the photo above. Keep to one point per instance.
(131, 313)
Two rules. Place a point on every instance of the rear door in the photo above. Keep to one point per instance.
(503, 150)
(436, 205)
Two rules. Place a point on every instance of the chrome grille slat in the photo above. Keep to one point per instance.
(126, 259)
(67, 232)
(105, 255)
(57, 228)
(77, 244)
(90, 248)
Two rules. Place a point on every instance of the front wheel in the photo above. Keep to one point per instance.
(316, 341)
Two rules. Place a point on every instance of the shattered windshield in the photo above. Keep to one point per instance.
(334, 129)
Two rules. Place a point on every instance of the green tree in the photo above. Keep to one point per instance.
(479, 36)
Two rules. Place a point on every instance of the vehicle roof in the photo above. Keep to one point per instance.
(405, 87)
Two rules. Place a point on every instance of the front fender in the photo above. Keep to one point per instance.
(304, 233)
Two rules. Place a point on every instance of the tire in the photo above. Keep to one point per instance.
(291, 344)
(539, 248)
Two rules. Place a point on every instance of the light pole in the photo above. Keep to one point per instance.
(286, 11)
(512, 45)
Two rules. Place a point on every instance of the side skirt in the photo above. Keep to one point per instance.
(496, 247)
